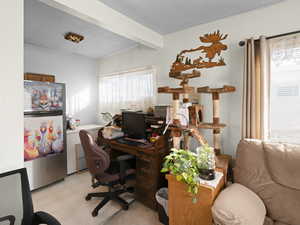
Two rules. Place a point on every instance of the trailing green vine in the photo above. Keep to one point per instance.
(184, 166)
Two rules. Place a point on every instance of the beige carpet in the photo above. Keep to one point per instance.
(66, 201)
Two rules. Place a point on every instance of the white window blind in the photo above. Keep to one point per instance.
(127, 90)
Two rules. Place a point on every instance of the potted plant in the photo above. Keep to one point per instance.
(183, 165)
(206, 162)
(188, 166)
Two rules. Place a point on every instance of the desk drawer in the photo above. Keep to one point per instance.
(146, 196)
(146, 186)
(144, 173)
(144, 157)
(146, 168)
(143, 164)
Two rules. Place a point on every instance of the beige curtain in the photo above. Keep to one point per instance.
(256, 89)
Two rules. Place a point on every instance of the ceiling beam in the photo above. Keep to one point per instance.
(94, 11)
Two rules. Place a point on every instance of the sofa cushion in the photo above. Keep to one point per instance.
(282, 203)
(253, 171)
(250, 168)
(283, 162)
(279, 223)
(237, 205)
(268, 221)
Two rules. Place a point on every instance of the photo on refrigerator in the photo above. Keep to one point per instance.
(43, 136)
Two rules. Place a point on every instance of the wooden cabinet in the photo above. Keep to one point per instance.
(39, 77)
(148, 179)
(182, 211)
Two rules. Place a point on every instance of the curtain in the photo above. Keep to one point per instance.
(130, 90)
(256, 78)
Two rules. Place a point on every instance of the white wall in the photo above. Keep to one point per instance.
(11, 85)
(280, 18)
(79, 73)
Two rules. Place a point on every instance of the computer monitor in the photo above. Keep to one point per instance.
(133, 125)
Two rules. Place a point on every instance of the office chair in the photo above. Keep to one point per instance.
(106, 172)
(16, 206)
(10, 218)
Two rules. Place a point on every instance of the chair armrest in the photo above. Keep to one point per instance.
(10, 218)
(44, 218)
(238, 205)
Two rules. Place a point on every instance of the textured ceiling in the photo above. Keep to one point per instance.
(46, 26)
(167, 16)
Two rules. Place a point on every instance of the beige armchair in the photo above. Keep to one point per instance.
(266, 189)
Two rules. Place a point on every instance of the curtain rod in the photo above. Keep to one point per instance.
(242, 43)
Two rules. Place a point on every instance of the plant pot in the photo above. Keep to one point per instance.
(207, 174)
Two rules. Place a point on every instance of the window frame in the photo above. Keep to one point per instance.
(287, 37)
(129, 71)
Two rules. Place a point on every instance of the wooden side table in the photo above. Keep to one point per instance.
(182, 211)
(222, 162)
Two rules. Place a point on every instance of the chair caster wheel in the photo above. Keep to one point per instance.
(87, 198)
(94, 213)
(125, 207)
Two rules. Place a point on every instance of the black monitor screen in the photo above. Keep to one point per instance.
(133, 125)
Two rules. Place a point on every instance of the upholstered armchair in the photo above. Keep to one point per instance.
(266, 189)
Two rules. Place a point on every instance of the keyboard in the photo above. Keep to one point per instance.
(128, 142)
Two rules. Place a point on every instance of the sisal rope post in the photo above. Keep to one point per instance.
(216, 120)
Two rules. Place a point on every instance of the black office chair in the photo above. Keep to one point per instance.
(106, 172)
(16, 206)
(10, 218)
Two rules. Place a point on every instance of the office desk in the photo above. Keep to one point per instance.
(149, 161)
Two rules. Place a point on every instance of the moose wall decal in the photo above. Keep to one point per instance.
(205, 60)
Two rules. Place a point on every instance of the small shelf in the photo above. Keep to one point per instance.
(211, 125)
(184, 90)
(208, 90)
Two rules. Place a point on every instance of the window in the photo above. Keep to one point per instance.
(284, 89)
(127, 90)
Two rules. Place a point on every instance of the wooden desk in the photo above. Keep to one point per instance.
(182, 211)
(148, 165)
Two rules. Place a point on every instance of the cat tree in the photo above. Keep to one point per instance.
(184, 69)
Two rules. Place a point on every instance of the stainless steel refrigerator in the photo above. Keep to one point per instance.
(45, 152)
